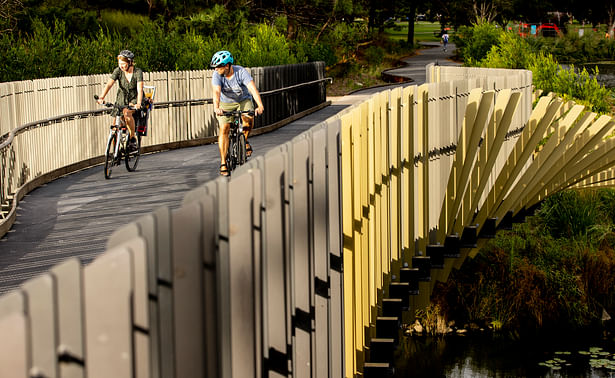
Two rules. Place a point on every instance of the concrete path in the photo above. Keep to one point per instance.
(432, 52)
(73, 216)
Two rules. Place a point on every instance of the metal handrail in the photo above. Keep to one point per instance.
(8, 138)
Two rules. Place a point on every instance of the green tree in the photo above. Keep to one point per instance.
(408, 9)
(9, 12)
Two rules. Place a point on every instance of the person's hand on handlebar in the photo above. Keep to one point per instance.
(219, 111)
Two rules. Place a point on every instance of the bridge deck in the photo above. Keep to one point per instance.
(73, 216)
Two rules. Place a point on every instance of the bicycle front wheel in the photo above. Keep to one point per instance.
(109, 156)
(241, 149)
(230, 161)
(131, 158)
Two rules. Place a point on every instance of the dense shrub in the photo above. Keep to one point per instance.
(345, 37)
(508, 51)
(50, 51)
(573, 49)
(265, 46)
(512, 51)
(312, 52)
(53, 47)
(473, 43)
(375, 54)
(122, 22)
(216, 21)
(78, 21)
(552, 272)
(197, 51)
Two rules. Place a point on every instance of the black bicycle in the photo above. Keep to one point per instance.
(118, 145)
(236, 153)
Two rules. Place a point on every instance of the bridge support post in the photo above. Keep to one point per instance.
(507, 221)
(451, 246)
(377, 370)
(488, 229)
(469, 237)
(435, 252)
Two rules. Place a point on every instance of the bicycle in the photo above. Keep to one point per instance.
(236, 154)
(117, 143)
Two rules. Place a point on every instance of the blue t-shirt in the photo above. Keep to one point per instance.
(234, 89)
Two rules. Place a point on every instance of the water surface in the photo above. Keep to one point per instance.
(485, 356)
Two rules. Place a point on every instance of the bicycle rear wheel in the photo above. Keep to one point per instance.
(241, 149)
(109, 157)
(131, 158)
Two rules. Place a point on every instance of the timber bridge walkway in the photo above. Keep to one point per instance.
(305, 261)
(74, 216)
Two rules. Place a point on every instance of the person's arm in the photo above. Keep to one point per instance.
(140, 85)
(216, 99)
(101, 98)
(257, 97)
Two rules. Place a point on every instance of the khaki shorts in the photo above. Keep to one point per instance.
(230, 106)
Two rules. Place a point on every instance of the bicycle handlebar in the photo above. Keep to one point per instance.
(235, 113)
(111, 104)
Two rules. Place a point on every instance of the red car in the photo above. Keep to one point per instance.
(548, 30)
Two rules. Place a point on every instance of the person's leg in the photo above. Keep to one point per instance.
(223, 145)
(130, 121)
(248, 123)
(224, 123)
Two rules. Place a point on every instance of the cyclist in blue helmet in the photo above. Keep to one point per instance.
(130, 91)
(234, 89)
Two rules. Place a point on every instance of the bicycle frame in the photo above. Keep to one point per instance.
(117, 147)
(235, 130)
(118, 129)
(236, 152)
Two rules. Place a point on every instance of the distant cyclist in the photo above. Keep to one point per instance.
(445, 40)
(130, 91)
(234, 89)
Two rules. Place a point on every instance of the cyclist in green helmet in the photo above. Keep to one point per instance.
(130, 91)
(234, 89)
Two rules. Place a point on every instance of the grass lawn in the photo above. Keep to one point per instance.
(423, 31)
(361, 73)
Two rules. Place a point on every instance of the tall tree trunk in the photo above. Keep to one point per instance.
(411, 18)
(371, 23)
(611, 29)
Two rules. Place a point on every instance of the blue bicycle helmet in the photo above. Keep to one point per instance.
(222, 58)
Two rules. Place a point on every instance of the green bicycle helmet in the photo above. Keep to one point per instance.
(221, 58)
(127, 54)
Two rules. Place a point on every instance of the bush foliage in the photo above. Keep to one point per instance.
(552, 272)
(487, 46)
(53, 49)
(50, 51)
(60, 47)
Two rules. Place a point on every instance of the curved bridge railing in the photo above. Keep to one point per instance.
(48, 145)
(304, 262)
